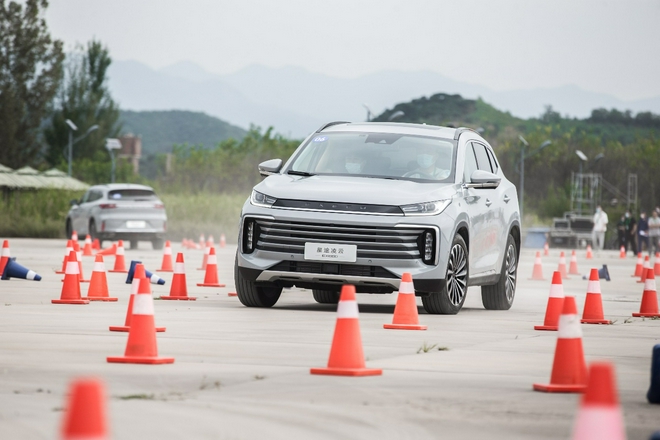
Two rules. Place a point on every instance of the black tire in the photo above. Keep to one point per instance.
(325, 296)
(250, 294)
(68, 229)
(157, 244)
(92, 230)
(500, 296)
(133, 244)
(453, 290)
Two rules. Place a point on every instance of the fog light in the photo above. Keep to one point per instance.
(428, 247)
(250, 237)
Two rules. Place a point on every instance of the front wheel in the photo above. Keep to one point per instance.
(157, 244)
(453, 290)
(325, 296)
(68, 229)
(500, 296)
(251, 294)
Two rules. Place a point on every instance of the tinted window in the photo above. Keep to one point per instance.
(94, 196)
(483, 162)
(131, 194)
(493, 161)
(470, 163)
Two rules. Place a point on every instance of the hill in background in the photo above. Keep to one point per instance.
(162, 129)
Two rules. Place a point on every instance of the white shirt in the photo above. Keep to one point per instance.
(600, 221)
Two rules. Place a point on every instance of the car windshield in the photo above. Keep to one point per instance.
(132, 194)
(380, 155)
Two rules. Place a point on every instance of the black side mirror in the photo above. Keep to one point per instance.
(270, 167)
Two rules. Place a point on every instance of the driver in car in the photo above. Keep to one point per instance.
(427, 161)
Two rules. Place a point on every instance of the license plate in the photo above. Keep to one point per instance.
(331, 252)
(134, 224)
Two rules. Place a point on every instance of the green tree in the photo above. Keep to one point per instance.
(30, 73)
(83, 98)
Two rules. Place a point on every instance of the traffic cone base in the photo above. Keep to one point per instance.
(232, 294)
(405, 312)
(211, 285)
(405, 326)
(140, 360)
(69, 301)
(125, 328)
(551, 328)
(550, 388)
(347, 371)
(179, 298)
(646, 315)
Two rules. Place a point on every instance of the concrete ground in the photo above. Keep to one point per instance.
(243, 373)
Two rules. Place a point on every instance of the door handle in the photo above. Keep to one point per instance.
(488, 202)
(506, 198)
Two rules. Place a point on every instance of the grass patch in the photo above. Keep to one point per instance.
(138, 397)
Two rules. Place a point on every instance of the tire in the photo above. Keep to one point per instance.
(68, 229)
(157, 244)
(250, 294)
(500, 296)
(92, 230)
(453, 290)
(325, 296)
(134, 244)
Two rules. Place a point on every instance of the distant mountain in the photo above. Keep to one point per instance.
(162, 129)
(296, 101)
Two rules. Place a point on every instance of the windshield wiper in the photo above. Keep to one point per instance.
(300, 173)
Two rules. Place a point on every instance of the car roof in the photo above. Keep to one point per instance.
(115, 186)
(396, 127)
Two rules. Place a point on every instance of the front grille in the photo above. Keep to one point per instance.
(355, 270)
(372, 241)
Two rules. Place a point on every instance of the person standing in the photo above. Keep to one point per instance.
(654, 231)
(600, 226)
(631, 232)
(643, 232)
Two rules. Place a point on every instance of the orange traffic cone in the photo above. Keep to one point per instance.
(166, 265)
(546, 249)
(599, 416)
(141, 347)
(211, 276)
(645, 267)
(87, 250)
(71, 287)
(622, 252)
(590, 254)
(207, 251)
(555, 304)
(211, 240)
(76, 247)
(98, 286)
(649, 306)
(223, 240)
(405, 312)
(573, 269)
(346, 355)
(135, 284)
(639, 267)
(84, 417)
(120, 262)
(74, 236)
(69, 248)
(593, 304)
(562, 266)
(232, 294)
(656, 265)
(4, 257)
(96, 245)
(112, 250)
(179, 289)
(537, 272)
(202, 241)
(569, 371)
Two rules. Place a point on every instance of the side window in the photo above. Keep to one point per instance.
(493, 161)
(94, 196)
(470, 163)
(483, 162)
(86, 197)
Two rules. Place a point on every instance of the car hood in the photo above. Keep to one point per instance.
(348, 189)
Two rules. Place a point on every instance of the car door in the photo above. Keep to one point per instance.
(475, 209)
(492, 210)
(78, 213)
(85, 210)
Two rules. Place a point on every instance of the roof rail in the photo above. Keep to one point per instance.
(461, 130)
(330, 124)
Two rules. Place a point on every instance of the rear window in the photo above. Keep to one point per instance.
(132, 194)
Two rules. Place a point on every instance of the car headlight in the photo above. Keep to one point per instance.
(259, 199)
(427, 208)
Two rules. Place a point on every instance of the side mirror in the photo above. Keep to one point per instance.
(484, 179)
(270, 167)
(74, 202)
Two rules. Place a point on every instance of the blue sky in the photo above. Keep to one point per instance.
(602, 46)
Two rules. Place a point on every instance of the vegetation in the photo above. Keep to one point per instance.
(84, 99)
(161, 130)
(31, 69)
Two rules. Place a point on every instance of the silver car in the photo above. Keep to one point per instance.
(119, 211)
(362, 203)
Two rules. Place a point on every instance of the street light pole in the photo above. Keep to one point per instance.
(524, 144)
(72, 128)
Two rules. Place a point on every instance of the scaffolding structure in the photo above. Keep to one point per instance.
(586, 192)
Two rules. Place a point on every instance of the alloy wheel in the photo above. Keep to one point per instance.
(511, 266)
(457, 275)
